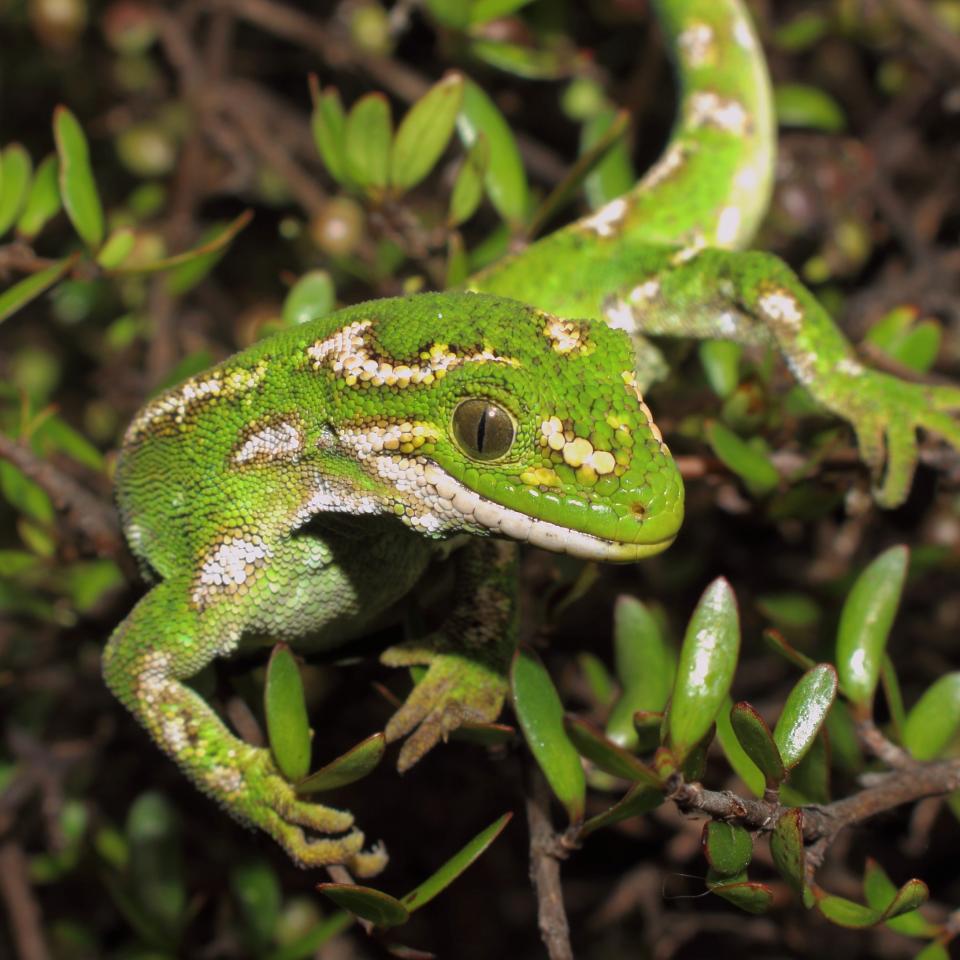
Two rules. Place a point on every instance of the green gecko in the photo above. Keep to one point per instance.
(299, 490)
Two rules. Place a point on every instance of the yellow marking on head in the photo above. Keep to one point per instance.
(540, 477)
(566, 336)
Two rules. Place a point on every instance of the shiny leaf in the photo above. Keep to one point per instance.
(455, 866)
(355, 764)
(505, 179)
(425, 131)
(933, 722)
(312, 296)
(708, 659)
(118, 246)
(540, 713)
(736, 756)
(810, 779)
(378, 907)
(755, 738)
(786, 847)
(78, 189)
(285, 708)
(865, 624)
(803, 714)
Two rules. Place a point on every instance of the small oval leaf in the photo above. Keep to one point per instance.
(15, 170)
(285, 708)
(310, 297)
(737, 757)
(43, 200)
(865, 624)
(118, 246)
(368, 133)
(355, 764)
(751, 465)
(645, 666)
(786, 848)
(708, 659)
(913, 894)
(78, 189)
(803, 715)
(933, 722)
(378, 907)
(20, 294)
(847, 913)
(757, 741)
(328, 124)
(456, 865)
(748, 895)
(425, 131)
(468, 187)
(727, 847)
(639, 800)
(540, 713)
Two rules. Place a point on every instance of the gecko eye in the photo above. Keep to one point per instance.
(482, 429)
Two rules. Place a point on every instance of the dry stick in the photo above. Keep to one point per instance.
(546, 852)
(822, 822)
(85, 512)
(337, 51)
(26, 923)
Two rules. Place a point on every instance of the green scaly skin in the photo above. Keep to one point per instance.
(299, 490)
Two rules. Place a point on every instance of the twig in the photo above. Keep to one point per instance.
(546, 852)
(918, 16)
(26, 923)
(883, 749)
(84, 512)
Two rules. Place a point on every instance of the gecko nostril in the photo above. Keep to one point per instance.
(638, 510)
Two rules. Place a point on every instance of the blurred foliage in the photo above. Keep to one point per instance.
(179, 181)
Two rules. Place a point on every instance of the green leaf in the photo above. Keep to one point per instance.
(43, 200)
(865, 624)
(198, 260)
(847, 913)
(933, 951)
(639, 800)
(720, 360)
(776, 641)
(482, 11)
(306, 946)
(748, 895)
(468, 186)
(799, 105)
(803, 715)
(609, 757)
(727, 847)
(913, 894)
(484, 734)
(328, 123)
(790, 609)
(312, 296)
(755, 738)
(378, 907)
(256, 888)
(786, 848)
(29, 288)
(425, 131)
(601, 684)
(455, 866)
(540, 714)
(751, 465)
(505, 179)
(645, 666)
(119, 245)
(15, 170)
(368, 133)
(708, 659)
(736, 756)
(77, 185)
(933, 722)
(288, 727)
(893, 696)
(353, 765)
(810, 779)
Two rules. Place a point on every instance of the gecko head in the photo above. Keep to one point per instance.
(488, 416)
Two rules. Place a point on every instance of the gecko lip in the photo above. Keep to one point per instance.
(514, 525)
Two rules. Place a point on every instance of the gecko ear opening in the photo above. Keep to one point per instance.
(482, 429)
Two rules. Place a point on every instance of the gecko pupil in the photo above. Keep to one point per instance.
(482, 429)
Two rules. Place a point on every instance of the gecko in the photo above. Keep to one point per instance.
(299, 490)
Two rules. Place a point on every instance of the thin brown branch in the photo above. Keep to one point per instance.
(23, 912)
(546, 852)
(84, 512)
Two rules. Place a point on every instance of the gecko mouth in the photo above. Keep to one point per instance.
(503, 521)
